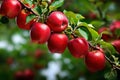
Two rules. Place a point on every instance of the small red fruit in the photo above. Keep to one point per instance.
(38, 54)
(39, 33)
(57, 43)
(95, 60)
(78, 47)
(9, 60)
(105, 37)
(38, 66)
(21, 20)
(114, 26)
(29, 74)
(57, 21)
(1, 11)
(19, 75)
(92, 15)
(10, 8)
(116, 44)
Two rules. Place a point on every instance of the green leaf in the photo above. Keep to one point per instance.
(88, 33)
(108, 47)
(30, 17)
(117, 32)
(38, 9)
(30, 2)
(85, 32)
(111, 75)
(116, 60)
(97, 23)
(74, 18)
(41, 9)
(95, 35)
(56, 4)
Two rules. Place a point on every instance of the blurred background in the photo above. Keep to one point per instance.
(18, 54)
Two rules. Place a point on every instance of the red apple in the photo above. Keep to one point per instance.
(92, 15)
(1, 11)
(29, 74)
(9, 60)
(39, 33)
(10, 8)
(57, 21)
(21, 20)
(38, 66)
(19, 75)
(95, 60)
(114, 26)
(57, 43)
(105, 37)
(78, 47)
(116, 44)
(38, 54)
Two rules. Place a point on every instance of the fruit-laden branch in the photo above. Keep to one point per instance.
(114, 66)
(28, 8)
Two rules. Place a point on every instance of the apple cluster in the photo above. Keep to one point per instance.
(26, 74)
(111, 34)
(52, 33)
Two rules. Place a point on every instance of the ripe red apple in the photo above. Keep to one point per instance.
(57, 43)
(9, 60)
(105, 37)
(21, 20)
(116, 44)
(38, 66)
(29, 74)
(10, 8)
(78, 47)
(57, 21)
(114, 26)
(40, 33)
(38, 54)
(95, 60)
(92, 15)
(19, 75)
(1, 11)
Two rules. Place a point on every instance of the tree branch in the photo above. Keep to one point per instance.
(28, 8)
(112, 63)
(93, 47)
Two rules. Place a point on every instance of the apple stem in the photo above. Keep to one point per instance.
(72, 33)
(38, 18)
(75, 36)
(93, 47)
